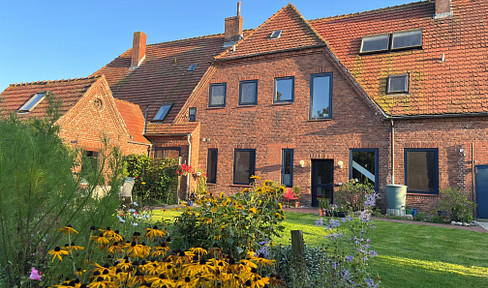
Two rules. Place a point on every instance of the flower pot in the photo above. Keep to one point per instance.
(297, 204)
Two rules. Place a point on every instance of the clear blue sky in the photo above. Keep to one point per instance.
(51, 39)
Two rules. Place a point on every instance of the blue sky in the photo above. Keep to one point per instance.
(50, 39)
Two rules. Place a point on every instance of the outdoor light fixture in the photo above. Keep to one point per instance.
(340, 164)
(302, 163)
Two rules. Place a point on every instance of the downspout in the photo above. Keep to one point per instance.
(392, 151)
(145, 120)
(189, 163)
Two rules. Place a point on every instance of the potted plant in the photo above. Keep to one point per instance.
(296, 190)
(324, 206)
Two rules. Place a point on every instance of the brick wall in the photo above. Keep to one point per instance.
(269, 127)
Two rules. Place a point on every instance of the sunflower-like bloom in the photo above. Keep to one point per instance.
(100, 283)
(57, 253)
(100, 239)
(115, 247)
(253, 210)
(160, 281)
(198, 250)
(154, 232)
(111, 235)
(260, 260)
(72, 247)
(159, 251)
(124, 264)
(68, 230)
(136, 250)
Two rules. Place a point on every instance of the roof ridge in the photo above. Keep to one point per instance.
(191, 38)
(45, 82)
(372, 11)
(307, 24)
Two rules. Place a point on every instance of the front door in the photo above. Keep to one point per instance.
(482, 191)
(322, 180)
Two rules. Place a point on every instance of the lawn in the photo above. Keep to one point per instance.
(409, 255)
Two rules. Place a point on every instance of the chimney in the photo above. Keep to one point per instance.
(138, 49)
(443, 9)
(233, 27)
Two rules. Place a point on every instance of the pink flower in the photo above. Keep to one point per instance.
(35, 275)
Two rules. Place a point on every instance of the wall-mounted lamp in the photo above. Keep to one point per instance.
(340, 164)
(302, 163)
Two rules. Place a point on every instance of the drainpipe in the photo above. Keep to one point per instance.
(392, 150)
(145, 119)
(189, 163)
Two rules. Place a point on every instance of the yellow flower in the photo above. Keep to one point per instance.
(255, 177)
(68, 247)
(68, 230)
(198, 250)
(57, 253)
(154, 232)
(143, 183)
(253, 210)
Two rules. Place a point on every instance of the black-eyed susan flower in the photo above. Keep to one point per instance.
(154, 232)
(57, 253)
(100, 239)
(72, 246)
(68, 229)
(198, 250)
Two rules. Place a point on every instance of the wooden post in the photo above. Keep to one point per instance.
(298, 249)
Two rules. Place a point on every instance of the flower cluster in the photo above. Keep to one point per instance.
(184, 169)
(147, 261)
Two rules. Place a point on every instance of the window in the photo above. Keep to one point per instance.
(248, 92)
(375, 43)
(244, 161)
(397, 84)
(284, 89)
(409, 39)
(90, 163)
(192, 114)
(31, 103)
(212, 166)
(192, 67)
(399, 41)
(162, 112)
(275, 34)
(162, 153)
(421, 170)
(363, 166)
(287, 167)
(320, 96)
(217, 95)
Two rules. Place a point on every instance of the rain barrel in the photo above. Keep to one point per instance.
(396, 196)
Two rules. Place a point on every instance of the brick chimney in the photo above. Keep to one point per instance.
(138, 49)
(443, 9)
(233, 27)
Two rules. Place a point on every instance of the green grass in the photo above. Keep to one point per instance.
(409, 255)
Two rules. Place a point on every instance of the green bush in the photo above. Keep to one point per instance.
(457, 205)
(155, 179)
(39, 194)
(353, 195)
(235, 223)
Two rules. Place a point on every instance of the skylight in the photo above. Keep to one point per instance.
(407, 39)
(275, 34)
(31, 103)
(397, 84)
(162, 112)
(375, 43)
(192, 67)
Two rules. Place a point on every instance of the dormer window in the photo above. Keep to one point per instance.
(192, 67)
(162, 112)
(32, 103)
(409, 39)
(276, 34)
(375, 43)
(397, 84)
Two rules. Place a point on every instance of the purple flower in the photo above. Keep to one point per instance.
(372, 253)
(349, 258)
(319, 222)
(35, 275)
(370, 283)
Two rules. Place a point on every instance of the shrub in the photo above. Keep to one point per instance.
(420, 216)
(155, 179)
(234, 223)
(457, 205)
(353, 195)
(39, 193)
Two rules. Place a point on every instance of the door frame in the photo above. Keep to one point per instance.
(477, 167)
(314, 184)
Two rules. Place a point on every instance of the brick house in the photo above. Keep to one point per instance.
(88, 112)
(394, 95)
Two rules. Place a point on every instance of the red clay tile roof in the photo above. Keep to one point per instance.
(171, 129)
(68, 91)
(296, 33)
(458, 85)
(162, 77)
(133, 118)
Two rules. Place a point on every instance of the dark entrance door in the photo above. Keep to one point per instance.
(322, 180)
(482, 191)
